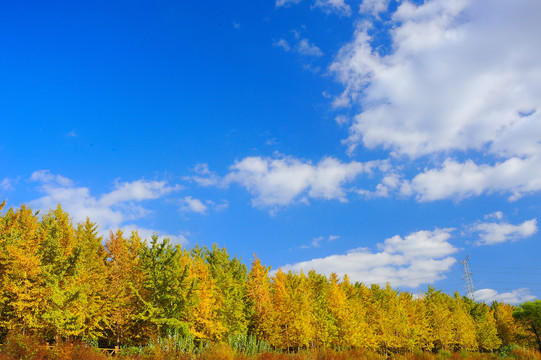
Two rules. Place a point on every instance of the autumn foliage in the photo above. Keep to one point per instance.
(62, 283)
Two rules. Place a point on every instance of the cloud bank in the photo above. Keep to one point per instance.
(418, 258)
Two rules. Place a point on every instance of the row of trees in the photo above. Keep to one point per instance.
(63, 281)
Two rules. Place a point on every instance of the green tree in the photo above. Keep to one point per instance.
(60, 260)
(529, 313)
(167, 285)
(230, 277)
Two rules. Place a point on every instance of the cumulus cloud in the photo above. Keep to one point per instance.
(459, 180)
(111, 210)
(189, 204)
(461, 75)
(514, 297)
(283, 181)
(418, 258)
(495, 233)
(334, 6)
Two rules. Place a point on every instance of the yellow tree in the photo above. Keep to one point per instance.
(510, 331)
(463, 326)
(438, 313)
(124, 288)
(292, 311)
(204, 314)
(323, 323)
(94, 309)
(258, 300)
(485, 325)
(22, 292)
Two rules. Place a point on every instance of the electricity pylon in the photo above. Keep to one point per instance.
(470, 289)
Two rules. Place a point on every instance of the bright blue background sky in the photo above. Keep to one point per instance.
(303, 131)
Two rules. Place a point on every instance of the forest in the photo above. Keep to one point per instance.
(62, 282)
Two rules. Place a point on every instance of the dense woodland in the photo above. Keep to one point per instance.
(62, 281)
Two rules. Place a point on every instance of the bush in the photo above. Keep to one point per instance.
(23, 347)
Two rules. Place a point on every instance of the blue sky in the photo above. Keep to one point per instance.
(380, 138)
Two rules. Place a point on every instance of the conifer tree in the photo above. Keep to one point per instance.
(92, 281)
(125, 293)
(463, 326)
(323, 322)
(167, 285)
(258, 300)
(438, 313)
(230, 277)
(60, 257)
(204, 314)
(22, 290)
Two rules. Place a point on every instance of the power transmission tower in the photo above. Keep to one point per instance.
(470, 289)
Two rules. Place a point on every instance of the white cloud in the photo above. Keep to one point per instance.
(190, 204)
(6, 184)
(374, 6)
(515, 176)
(282, 181)
(460, 76)
(390, 182)
(111, 210)
(514, 297)
(494, 233)
(419, 258)
(137, 191)
(498, 215)
(316, 242)
(204, 176)
(46, 177)
(286, 3)
(283, 44)
(337, 6)
(304, 47)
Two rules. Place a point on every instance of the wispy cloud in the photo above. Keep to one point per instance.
(334, 6)
(6, 184)
(306, 48)
(286, 3)
(316, 242)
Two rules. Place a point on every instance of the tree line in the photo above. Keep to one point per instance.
(63, 281)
